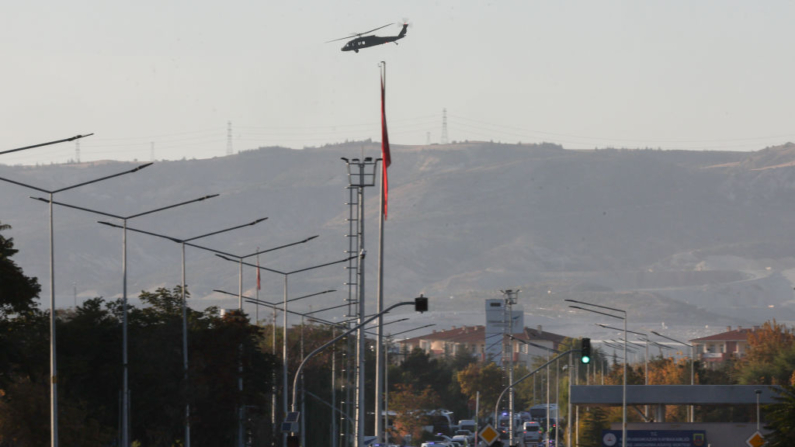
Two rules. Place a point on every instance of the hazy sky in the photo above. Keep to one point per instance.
(671, 74)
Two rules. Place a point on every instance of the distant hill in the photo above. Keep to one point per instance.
(699, 238)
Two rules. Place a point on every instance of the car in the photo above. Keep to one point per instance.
(462, 439)
(441, 440)
(467, 424)
(470, 437)
(532, 433)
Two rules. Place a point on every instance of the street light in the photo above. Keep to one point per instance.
(53, 364)
(183, 243)
(692, 366)
(335, 339)
(125, 393)
(285, 275)
(557, 386)
(646, 345)
(624, 387)
(240, 308)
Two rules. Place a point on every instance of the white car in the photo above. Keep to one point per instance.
(461, 439)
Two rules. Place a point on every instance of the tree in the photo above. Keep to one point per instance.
(18, 293)
(411, 407)
(487, 379)
(595, 421)
(781, 417)
(771, 355)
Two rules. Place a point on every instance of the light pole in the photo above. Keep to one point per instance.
(557, 385)
(240, 259)
(286, 275)
(183, 243)
(359, 326)
(259, 302)
(125, 376)
(53, 364)
(692, 366)
(624, 387)
(758, 414)
(645, 359)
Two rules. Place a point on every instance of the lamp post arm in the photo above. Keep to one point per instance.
(45, 144)
(497, 405)
(596, 305)
(279, 247)
(103, 178)
(101, 213)
(597, 312)
(172, 206)
(172, 239)
(323, 265)
(26, 186)
(334, 340)
(226, 229)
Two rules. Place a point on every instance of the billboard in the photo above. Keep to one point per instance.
(656, 438)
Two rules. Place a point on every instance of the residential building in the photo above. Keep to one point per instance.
(473, 339)
(718, 348)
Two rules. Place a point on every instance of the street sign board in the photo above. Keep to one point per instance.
(756, 440)
(290, 424)
(656, 438)
(489, 434)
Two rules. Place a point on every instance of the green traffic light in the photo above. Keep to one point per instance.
(585, 359)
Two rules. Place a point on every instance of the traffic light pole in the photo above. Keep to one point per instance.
(420, 304)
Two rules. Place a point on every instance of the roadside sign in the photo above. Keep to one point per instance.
(756, 440)
(290, 424)
(489, 434)
(656, 438)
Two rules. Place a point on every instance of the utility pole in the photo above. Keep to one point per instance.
(510, 300)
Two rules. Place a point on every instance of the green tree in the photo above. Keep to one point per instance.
(483, 378)
(18, 293)
(410, 405)
(781, 418)
(771, 355)
(594, 422)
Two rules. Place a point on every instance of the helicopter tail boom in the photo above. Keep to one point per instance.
(403, 31)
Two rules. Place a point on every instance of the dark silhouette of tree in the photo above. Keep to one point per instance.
(781, 417)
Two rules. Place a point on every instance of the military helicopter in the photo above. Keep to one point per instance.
(363, 41)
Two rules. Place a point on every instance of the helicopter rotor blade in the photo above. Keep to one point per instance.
(343, 38)
(376, 29)
(360, 34)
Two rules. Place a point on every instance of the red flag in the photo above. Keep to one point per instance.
(259, 284)
(387, 160)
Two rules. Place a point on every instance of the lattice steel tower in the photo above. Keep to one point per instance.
(228, 138)
(443, 139)
(361, 174)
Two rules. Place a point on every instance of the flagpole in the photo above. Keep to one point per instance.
(379, 350)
